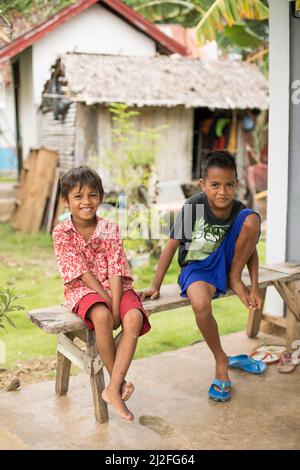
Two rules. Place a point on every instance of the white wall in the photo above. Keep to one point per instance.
(7, 119)
(95, 30)
(27, 108)
(278, 141)
(8, 130)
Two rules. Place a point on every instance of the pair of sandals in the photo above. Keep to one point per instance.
(272, 353)
(268, 353)
(221, 390)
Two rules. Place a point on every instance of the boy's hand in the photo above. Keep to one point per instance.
(255, 298)
(116, 319)
(151, 292)
(109, 302)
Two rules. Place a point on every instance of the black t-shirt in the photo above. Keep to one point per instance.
(200, 232)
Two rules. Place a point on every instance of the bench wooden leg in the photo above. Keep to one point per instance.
(293, 323)
(254, 318)
(100, 406)
(97, 381)
(62, 374)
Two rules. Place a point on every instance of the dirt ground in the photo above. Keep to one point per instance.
(27, 372)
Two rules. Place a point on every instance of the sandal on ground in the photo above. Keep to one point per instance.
(286, 365)
(296, 353)
(247, 364)
(271, 348)
(296, 344)
(223, 393)
(267, 357)
(268, 353)
(296, 357)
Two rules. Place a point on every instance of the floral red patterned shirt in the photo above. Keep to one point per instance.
(103, 255)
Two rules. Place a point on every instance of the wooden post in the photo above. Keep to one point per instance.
(292, 323)
(62, 374)
(254, 317)
(241, 161)
(97, 381)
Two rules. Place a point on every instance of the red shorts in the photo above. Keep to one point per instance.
(129, 300)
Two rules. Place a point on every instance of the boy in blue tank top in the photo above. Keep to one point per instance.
(216, 237)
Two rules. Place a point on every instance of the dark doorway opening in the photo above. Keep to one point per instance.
(16, 78)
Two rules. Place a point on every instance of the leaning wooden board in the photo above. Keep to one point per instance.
(26, 175)
(39, 183)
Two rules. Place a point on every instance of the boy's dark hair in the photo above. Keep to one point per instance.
(82, 175)
(217, 159)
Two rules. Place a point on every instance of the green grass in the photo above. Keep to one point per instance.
(27, 263)
(8, 179)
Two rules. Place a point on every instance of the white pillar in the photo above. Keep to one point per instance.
(278, 142)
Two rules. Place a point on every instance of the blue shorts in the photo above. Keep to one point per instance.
(215, 268)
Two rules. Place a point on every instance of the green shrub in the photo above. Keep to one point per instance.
(7, 298)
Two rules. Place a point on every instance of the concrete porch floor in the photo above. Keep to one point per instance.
(171, 407)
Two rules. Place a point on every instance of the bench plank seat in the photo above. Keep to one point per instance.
(58, 319)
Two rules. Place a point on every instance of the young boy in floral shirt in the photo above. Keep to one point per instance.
(98, 281)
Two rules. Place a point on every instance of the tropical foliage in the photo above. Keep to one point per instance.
(239, 26)
(31, 12)
(188, 13)
(133, 150)
(26, 6)
(228, 16)
(7, 298)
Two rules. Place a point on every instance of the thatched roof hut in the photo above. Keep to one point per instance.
(177, 92)
(164, 81)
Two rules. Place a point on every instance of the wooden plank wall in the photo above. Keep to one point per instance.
(86, 136)
(241, 162)
(59, 135)
(104, 142)
(173, 149)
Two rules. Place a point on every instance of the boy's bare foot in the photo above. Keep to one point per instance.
(222, 371)
(113, 397)
(241, 290)
(127, 390)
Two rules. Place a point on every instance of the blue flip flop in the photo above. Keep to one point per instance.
(221, 394)
(246, 363)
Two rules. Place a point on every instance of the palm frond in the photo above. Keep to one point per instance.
(224, 13)
(158, 10)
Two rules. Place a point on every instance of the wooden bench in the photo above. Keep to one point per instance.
(58, 320)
